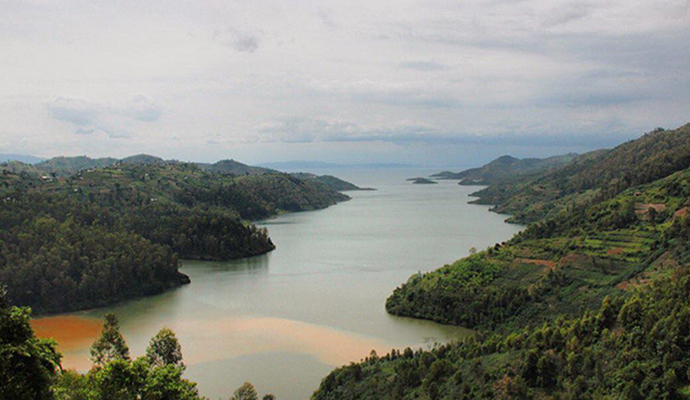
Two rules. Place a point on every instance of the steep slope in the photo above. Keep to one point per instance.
(559, 266)
(623, 251)
(591, 177)
(625, 350)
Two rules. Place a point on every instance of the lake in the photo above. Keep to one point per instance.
(284, 320)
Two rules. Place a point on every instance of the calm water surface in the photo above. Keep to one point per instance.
(285, 319)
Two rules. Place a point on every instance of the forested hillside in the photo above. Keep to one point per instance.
(559, 266)
(591, 177)
(109, 234)
(626, 349)
(329, 181)
(505, 167)
(623, 249)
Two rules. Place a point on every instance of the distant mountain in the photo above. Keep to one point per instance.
(71, 165)
(311, 165)
(26, 159)
(235, 168)
(145, 159)
(505, 167)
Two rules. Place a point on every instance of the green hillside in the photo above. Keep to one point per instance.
(329, 181)
(591, 177)
(590, 302)
(560, 266)
(505, 167)
(235, 168)
(625, 349)
(109, 234)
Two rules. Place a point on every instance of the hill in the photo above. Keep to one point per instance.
(72, 165)
(590, 302)
(143, 159)
(235, 168)
(505, 167)
(591, 177)
(109, 234)
(559, 266)
(24, 158)
(626, 349)
(329, 181)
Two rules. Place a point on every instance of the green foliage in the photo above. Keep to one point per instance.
(111, 344)
(457, 294)
(633, 349)
(164, 349)
(28, 365)
(111, 234)
(245, 392)
(561, 265)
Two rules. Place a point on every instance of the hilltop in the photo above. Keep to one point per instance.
(590, 177)
(329, 181)
(505, 167)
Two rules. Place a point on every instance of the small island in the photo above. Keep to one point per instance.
(422, 181)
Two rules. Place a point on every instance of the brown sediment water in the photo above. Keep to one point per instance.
(74, 335)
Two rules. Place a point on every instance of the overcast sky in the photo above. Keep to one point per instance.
(430, 82)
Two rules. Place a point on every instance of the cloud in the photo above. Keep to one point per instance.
(398, 72)
(564, 15)
(320, 130)
(423, 65)
(244, 42)
(113, 121)
(75, 111)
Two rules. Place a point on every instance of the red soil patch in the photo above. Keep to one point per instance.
(576, 260)
(615, 251)
(634, 282)
(543, 263)
(641, 209)
(682, 212)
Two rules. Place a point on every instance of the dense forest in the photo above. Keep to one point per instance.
(626, 349)
(103, 235)
(589, 302)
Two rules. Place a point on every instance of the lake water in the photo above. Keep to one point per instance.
(285, 319)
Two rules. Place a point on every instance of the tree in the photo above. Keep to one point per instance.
(245, 392)
(28, 365)
(111, 344)
(164, 349)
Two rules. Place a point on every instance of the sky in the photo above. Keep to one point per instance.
(436, 83)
